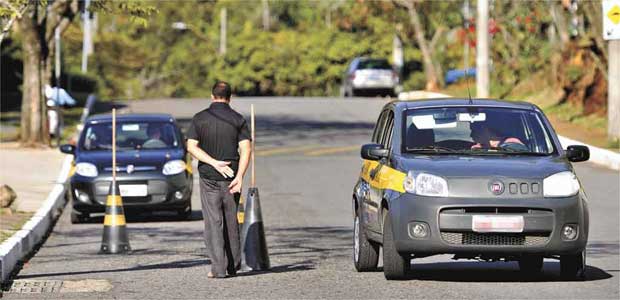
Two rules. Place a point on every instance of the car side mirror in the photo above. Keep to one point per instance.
(577, 153)
(374, 152)
(68, 149)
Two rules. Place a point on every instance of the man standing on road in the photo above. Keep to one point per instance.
(220, 139)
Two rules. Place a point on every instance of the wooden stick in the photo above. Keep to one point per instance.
(252, 123)
(114, 146)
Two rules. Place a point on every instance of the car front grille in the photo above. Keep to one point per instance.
(494, 239)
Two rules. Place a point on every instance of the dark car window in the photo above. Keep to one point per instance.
(386, 141)
(477, 130)
(376, 136)
(131, 136)
(374, 64)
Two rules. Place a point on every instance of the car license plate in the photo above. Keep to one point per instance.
(486, 223)
(133, 190)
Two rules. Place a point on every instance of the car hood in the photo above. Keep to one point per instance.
(150, 158)
(533, 167)
(473, 176)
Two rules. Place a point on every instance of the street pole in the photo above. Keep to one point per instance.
(466, 40)
(266, 15)
(223, 31)
(613, 91)
(482, 50)
(86, 37)
(59, 115)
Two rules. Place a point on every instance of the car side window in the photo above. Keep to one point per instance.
(389, 128)
(376, 136)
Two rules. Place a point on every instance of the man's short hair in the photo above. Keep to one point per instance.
(221, 90)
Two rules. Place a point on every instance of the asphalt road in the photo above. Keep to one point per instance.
(307, 163)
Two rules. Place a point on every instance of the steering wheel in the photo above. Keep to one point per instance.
(512, 146)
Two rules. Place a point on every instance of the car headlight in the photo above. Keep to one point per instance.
(425, 185)
(86, 169)
(563, 184)
(174, 167)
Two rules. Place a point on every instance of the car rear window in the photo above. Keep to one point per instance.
(374, 64)
(476, 130)
(131, 136)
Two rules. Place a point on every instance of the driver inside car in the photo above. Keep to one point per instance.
(155, 138)
(485, 138)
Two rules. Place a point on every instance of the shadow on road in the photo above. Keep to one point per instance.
(493, 272)
(179, 264)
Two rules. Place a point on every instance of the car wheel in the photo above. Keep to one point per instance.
(77, 218)
(573, 267)
(354, 93)
(395, 265)
(531, 264)
(365, 252)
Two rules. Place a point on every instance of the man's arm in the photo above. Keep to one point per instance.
(199, 154)
(244, 159)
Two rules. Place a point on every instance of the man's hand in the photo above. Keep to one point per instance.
(223, 168)
(235, 185)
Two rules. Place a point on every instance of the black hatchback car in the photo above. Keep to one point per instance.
(480, 179)
(154, 169)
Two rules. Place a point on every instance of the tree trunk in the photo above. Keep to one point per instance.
(432, 81)
(31, 87)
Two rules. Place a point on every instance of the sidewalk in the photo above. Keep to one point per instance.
(30, 172)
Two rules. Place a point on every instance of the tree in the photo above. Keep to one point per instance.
(37, 21)
(37, 26)
(431, 69)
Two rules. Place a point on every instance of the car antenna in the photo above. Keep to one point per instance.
(471, 102)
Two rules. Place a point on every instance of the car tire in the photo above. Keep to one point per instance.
(531, 264)
(354, 93)
(365, 252)
(78, 218)
(573, 267)
(395, 265)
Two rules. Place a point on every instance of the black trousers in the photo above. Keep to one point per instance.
(219, 212)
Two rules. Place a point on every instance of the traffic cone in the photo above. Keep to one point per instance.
(115, 239)
(254, 254)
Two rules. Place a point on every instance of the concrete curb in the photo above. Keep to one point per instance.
(598, 155)
(20, 244)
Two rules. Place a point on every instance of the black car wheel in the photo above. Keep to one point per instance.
(573, 267)
(531, 264)
(365, 252)
(395, 265)
(77, 217)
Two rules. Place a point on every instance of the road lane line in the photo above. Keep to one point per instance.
(285, 150)
(332, 150)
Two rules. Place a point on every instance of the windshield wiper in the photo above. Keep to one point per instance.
(503, 151)
(436, 149)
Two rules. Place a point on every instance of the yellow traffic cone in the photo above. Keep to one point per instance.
(115, 238)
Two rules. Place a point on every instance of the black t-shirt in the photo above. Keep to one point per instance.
(218, 130)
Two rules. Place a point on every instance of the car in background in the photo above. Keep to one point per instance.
(153, 170)
(480, 179)
(370, 77)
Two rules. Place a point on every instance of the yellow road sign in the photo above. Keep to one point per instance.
(614, 14)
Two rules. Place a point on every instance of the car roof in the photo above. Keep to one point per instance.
(131, 117)
(451, 102)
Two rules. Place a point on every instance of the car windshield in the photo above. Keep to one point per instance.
(131, 136)
(476, 131)
(374, 64)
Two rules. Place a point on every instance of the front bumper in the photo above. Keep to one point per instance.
(161, 191)
(450, 224)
